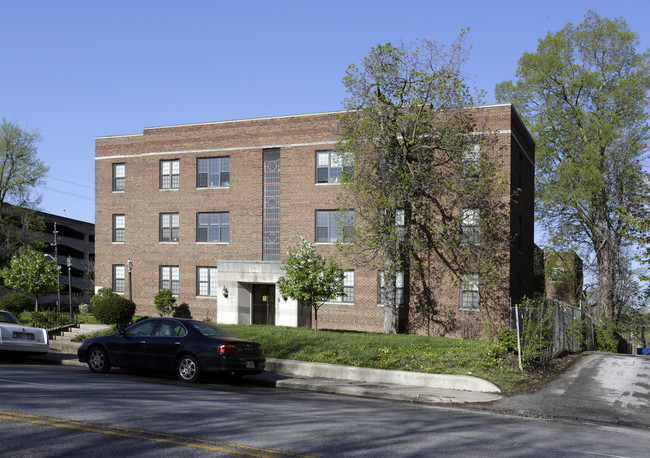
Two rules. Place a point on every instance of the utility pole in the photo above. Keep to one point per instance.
(58, 277)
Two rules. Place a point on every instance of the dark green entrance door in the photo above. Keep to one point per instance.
(264, 304)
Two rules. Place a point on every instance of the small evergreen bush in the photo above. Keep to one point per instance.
(164, 302)
(16, 303)
(110, 308)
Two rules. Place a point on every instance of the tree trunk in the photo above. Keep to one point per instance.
(390, 307)
(606, 258)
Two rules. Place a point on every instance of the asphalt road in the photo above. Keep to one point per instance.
(68, 411)
(600, 387)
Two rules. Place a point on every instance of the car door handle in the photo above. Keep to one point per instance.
(177, 343)
(143, 341)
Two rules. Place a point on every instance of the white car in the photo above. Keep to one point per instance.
(18, 342)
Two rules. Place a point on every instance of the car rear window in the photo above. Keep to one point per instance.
(208, 329)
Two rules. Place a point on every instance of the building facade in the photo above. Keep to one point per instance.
(208, 210)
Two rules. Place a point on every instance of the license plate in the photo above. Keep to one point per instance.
(250, 364)
(23, 336)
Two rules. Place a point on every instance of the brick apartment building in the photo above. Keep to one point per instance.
(208, 210)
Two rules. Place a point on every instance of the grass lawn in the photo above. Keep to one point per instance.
(436, 355)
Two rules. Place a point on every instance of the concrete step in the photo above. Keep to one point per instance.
(63, 343)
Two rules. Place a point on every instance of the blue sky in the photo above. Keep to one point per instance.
(76, 70)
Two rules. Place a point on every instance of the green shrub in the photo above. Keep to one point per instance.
(16, 303)
(605, 339)
(508, 339)
(84, 308)
(164, 302)
(113, 309)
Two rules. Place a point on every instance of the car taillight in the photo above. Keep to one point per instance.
(259, 351)
(227, 350)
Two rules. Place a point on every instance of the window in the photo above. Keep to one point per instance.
(469, 293)
(399, 289)
(213, 172)
(119, 177)
(118, 278)
(206, 281)
(472, 160)
(169, 276)
(169, 227)
(330, 165)
(470, 226)
(169, 174)
(332, 225)
(348, 288)
(213, 227)
(119, 228)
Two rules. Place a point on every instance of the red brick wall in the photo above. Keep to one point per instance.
(298, 137)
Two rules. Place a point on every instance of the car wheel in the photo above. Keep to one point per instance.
(98, 360)
(187, 368)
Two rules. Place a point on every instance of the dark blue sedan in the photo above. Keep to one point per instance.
(187, 347)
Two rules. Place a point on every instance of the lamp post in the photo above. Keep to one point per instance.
(129, 267)
(68, 263)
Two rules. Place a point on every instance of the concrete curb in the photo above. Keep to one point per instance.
(366, 375)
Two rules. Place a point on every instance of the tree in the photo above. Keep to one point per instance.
(407, 130)
(164, 302)
(111, 308)
(20, 172)
(31, 272)
(310, 279)
(584, 94)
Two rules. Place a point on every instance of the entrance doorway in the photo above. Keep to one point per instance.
(264, 304)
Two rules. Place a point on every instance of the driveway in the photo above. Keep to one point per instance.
(600, 387)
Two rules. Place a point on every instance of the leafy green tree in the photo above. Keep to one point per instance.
(406, 131)
(164, 302)
(31, 272)
(584, 95)
(20, 172)
(310, 279)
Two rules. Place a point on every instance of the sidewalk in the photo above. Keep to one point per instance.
(414, 387)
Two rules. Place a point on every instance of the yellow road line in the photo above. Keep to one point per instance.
(146, 435)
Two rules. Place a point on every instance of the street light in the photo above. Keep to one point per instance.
(69, 264)
(58, 281)
(129, 267)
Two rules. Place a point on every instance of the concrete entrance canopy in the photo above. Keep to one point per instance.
(238, 278)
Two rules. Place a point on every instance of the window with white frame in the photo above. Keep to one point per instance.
(119, 177)
(471, 226)
(213, 172)
(399, 289)
(169, 278)
(469, 291)
(333, 225)
(206, 281)
(213, 227)
(118, 278)
(169, 227)
(348, 288)
(330, 165)
(119, 228)
(169, 174)
(472, 160)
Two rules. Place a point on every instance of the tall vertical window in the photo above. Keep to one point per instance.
(119, 228)
(471, 226)
(206, 281)
(169, 227)
(469, 292)
(348, 288)
(330, 165)
(169, 278)
(213, 227)
(119, 176)
(272, 201)
(472, 160)
(169, 174)
(213, 172)
(399, 289)
(118, 278)
(333, 225)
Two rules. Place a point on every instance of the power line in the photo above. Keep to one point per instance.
(79, 196)
(70, 182)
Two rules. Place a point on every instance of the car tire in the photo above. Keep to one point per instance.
(187, 368)
(98, 361)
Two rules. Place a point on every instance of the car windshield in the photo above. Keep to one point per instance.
(6, 317)
(209, 330)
